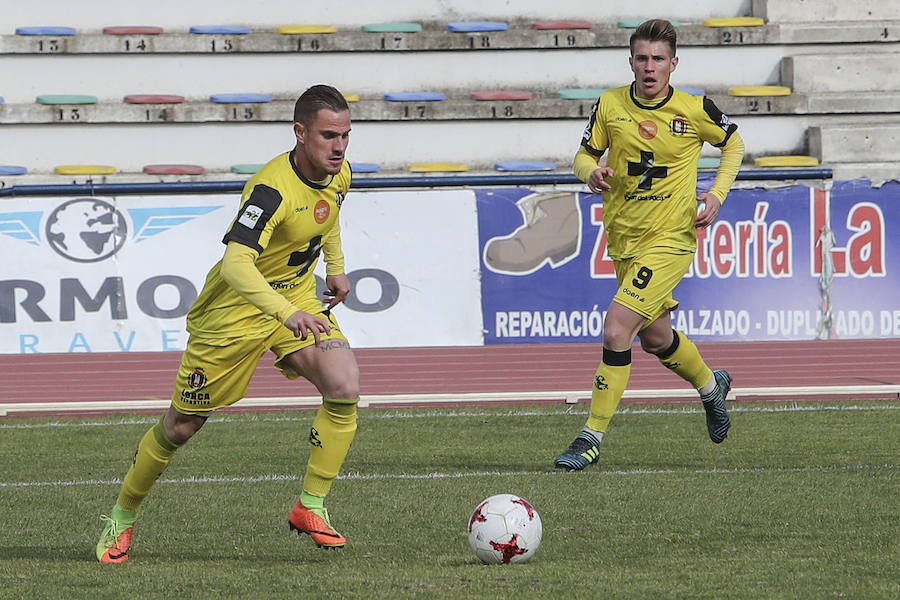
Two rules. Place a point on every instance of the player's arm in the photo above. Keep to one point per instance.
(587, 168)
(336, 282)
(239, 271)
(730, 164)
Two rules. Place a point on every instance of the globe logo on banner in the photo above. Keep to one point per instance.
(86, 230)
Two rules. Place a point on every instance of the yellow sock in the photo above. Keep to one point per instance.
(609, 385)
(683, 358)
(329, 441)
(152, 456)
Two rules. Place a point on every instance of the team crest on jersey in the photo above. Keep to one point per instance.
(340, 198)
(321, 211)
(197, 379)
(679, 126)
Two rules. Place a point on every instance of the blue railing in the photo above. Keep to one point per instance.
(213, 187)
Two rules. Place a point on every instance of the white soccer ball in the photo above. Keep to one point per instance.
(505, 529)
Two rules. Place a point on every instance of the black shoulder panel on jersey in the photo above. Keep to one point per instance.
(255, 213)
(586, 136)
(719, 119)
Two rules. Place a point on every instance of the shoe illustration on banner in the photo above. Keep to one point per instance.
(551, 233)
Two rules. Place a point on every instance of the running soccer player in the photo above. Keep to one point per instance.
(651, 210)
(262, 296)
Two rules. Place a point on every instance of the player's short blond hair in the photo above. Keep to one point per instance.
(654, 30)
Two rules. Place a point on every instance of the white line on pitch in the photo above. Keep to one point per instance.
(426, 413)
(356, 476)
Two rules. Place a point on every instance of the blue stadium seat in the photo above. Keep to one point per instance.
(414, 96)
(239, 98)
(221, 29)
(45, 31)
(476, 26)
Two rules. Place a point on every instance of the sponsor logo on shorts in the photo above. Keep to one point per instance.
(195, 398)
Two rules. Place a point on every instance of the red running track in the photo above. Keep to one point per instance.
(511, 369)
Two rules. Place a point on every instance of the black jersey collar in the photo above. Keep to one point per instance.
(655, 106)
(303, 178)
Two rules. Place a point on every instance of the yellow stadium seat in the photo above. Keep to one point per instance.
(793, 160)
(759, 90)
(435, 167)
(734, 22)
(351, 97)
(306, 29)
(84, 170)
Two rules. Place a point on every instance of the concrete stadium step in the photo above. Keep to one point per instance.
(849, 72)
(824, 10)
(856, 142)
(520, 36)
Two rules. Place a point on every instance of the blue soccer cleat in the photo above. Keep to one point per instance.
(717, 421)
(584, 451)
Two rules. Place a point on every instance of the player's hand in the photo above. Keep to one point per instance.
(303, 324)
(707, 209)
(597, 181)
(338, 288)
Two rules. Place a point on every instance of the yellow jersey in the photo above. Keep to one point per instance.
(288, 221)
(653, 150)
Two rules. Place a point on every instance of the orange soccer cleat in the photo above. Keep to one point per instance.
(317, 526)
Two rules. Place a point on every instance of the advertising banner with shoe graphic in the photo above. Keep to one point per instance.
(760, 272)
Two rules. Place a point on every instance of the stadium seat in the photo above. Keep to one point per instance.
(634, 22)
(174, 170)
(502, 95)
(708, 162)
(476, 26)
(153, 99)
(734, 22)
(561, 25)
(580, 93)
(66, 99)
(59, 31)
(133, 30)
(414, 96)
(350, 97)
(391, 28)
(306, 29)
(249, 168)
(12, 170)
(759, 90)
(436, 167)
(524, 165)
(220, 29)
(364, 167)
(693, 91)
(786, 161)
(84, 170)
(1, 100)
(239, 98)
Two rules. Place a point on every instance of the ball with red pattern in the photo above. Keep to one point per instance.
(505, 529)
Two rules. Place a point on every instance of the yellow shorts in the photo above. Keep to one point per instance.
(646, 282)
(215, 372)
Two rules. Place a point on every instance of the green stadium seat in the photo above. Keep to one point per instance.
(66, 99)
(580, 93)
(248, 168)
(392, 28)
(708, 162)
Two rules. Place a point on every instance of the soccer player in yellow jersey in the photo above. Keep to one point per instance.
(654, 134)
(262, 296)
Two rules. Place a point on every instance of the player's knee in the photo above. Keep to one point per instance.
(346, 392)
